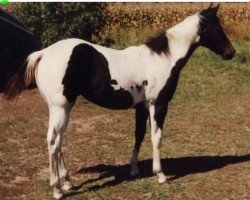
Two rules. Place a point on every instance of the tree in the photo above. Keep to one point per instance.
(55, 21)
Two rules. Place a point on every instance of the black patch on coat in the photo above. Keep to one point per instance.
(88, 75)
(141, 116)
(158, 44)
(113, 82)
(166, 94)
(160, 114)
(145, 82)
(138, 87)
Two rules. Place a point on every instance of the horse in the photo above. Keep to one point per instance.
(142, 77)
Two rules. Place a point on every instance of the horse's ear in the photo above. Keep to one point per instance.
(215, 9)
(210, 6)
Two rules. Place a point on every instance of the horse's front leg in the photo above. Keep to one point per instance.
(141, 116)
(63, 173)
(157, 116)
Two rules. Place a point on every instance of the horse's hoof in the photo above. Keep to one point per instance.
(161, 177)
(162, 180)
(58, 195)
(134, 172)
(67, 186)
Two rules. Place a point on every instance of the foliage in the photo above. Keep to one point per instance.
(55, 21)
(153, 17)
(121, 23)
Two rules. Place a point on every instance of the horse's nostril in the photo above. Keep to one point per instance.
(229, 53)
(233, 52)
(228, 56)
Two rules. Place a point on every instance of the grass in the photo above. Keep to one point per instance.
(205, 148)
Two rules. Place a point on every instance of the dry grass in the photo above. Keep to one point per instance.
(205, 148)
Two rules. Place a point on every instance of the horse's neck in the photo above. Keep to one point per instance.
(180, 50)
(183, 38)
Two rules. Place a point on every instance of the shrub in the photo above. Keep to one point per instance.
(55, 21)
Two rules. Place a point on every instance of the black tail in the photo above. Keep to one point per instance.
(16, 84)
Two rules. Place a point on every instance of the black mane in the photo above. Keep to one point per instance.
(158, 44)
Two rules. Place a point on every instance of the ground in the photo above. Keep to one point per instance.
(205, 149)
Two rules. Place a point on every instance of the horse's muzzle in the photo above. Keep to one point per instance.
(228, 54)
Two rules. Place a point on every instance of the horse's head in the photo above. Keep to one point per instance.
(212, 34)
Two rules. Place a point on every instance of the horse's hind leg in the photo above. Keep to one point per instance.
(141, 117)
(58, 122)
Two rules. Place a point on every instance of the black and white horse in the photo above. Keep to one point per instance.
(143, 77)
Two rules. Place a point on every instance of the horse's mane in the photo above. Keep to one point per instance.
(158, 44)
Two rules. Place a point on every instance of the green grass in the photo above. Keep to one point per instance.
(205, 147)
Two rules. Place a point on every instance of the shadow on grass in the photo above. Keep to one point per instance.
(175, 167)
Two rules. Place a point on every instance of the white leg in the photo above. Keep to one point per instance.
(57, 125)
(156, 135)
(63, 172)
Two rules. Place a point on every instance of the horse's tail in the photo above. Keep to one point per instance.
(24, 78)
(33, 61)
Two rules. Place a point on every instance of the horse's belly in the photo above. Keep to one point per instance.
(109, 98)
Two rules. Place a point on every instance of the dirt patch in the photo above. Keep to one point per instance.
(14, 141)
(20, 179)
(90, 123)
(43, 174)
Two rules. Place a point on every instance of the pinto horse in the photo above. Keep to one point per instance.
(143, 77)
